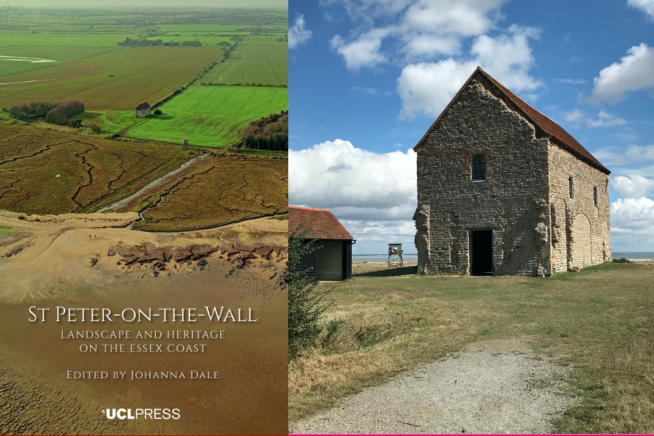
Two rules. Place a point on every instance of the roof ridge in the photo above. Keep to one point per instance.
(308, 208)
(539, 119)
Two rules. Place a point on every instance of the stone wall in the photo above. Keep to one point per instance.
(512, 201)
(537, 229)
(581, 235)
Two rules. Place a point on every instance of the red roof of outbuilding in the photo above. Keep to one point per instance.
(142, 106)
(322, 221)
(540, 121)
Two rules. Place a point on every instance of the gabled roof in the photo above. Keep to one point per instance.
(544, 125)
(142, 106)
(324, 224)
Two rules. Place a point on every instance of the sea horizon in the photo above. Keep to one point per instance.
(413, 257)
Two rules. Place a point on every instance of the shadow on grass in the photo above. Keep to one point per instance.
(390, 272)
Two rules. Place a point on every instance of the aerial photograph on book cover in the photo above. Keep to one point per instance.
(143, 217)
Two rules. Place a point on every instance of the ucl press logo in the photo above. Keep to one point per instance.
(141, 413)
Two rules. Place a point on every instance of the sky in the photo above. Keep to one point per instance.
(148, 3)
(368, 77)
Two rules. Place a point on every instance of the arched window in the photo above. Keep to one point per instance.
(479, 167)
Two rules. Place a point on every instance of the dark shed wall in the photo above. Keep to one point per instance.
(347, 259)
(310, 261)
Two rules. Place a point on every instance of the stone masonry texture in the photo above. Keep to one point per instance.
(537, 229)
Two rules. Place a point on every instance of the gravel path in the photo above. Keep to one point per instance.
(487, 389)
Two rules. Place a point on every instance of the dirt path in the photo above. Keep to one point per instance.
(489, 388)
(151, 186)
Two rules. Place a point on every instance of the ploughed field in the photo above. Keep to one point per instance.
(116, 79)
(17, 59)
(52, 172)
(211, 115)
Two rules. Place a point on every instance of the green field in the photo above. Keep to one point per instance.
(119, 79)
(206, 39)
(63, 39)
(264, 62)
(110, 122)
(211, 115)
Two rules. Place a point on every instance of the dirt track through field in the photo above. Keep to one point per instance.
(155, 184)
(493, 387)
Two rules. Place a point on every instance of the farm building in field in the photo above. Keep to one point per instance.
(143, 110)
(333, 259)
(502, 189)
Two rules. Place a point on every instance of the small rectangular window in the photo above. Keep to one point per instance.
(595, 195)
(570, 187)
(479, 168)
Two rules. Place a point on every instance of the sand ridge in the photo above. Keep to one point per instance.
(61, 253)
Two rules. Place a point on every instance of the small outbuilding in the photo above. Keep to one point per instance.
(333, 259)
(143, 110)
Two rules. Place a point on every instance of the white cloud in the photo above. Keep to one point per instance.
(634, 186)
(362, 184)
(362, 52)
(298, 33)
(453, 17)
(373, 195)
(572, 81)
(417, 34)
(647, 6)
(373, 236)
(633, 215)
(604, 119)
(576, 116)
(423, 29)
(632, 73)
(638, 153)
(426, 88)
(367, 10)
(371, 91)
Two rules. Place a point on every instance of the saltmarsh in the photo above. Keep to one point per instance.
(50, 172)
(600, 321)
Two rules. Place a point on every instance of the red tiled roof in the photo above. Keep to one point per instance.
(142, 106)
(324, 224)
(548, 127)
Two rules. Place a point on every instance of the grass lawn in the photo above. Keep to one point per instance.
(600, 321)
(212, 116)
(110, 122)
